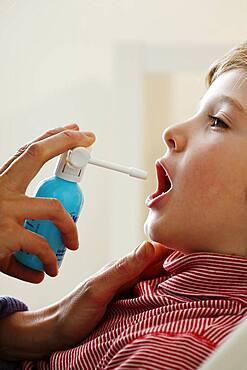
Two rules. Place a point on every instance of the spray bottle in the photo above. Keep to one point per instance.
(64, 187)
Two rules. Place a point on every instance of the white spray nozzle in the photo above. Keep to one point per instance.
(79, 157)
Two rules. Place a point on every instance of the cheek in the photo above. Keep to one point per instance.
(204, 180)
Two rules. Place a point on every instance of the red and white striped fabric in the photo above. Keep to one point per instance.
(172, 322)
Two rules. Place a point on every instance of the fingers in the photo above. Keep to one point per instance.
(49, 209)
(161, 251)
(72, 126)
(156, 267)
(15, 269)
(22, 170)
(38, 245)
(145, 262)
(15, 237)
(123, 272)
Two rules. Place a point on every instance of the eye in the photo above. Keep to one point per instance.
(217, 122)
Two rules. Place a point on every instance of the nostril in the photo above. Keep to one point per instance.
(171, 143)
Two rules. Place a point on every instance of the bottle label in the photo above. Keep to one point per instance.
(74, 216)
(32, 225)
(49, 230)
(60, 253)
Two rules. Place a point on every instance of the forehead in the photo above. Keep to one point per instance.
(232, 84)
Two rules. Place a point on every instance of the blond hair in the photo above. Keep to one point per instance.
(235, 58)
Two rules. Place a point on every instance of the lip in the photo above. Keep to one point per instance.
(159, 195)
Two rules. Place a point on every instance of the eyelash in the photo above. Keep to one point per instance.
(213, 119)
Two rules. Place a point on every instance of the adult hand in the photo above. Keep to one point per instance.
(16, 206)
(65, 323)
(82, 309)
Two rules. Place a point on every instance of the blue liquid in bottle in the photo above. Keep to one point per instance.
(63, 187)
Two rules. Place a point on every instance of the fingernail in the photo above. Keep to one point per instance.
(139, 250)
(89, 134)
(52, 273)
(71, 125)
(75, 245)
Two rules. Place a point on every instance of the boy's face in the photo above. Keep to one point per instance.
(207, 208)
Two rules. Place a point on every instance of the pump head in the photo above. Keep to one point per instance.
(71, 164)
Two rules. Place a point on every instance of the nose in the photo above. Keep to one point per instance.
(174, 137)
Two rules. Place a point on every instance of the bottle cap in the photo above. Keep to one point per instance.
(72, 164)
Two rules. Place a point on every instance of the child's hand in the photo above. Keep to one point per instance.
(15, 206)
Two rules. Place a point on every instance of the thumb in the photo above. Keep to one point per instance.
(125, 271)
(156, 267)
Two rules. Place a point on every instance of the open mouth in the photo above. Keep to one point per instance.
(164, 181)
(164, 184)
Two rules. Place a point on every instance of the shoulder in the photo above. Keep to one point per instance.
(9, 305)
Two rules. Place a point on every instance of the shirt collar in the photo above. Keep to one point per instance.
(206, 274)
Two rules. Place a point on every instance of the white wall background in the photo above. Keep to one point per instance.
(105, 64)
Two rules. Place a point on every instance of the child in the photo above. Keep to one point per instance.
(176, 320)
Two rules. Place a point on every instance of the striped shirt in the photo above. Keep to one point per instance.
(171, 322)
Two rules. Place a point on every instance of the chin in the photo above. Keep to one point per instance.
(153, 230)
(158, 230)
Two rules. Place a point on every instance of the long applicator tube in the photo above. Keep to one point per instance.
(134, 172)
(80, 157)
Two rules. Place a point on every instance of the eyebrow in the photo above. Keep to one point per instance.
(230, 101)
